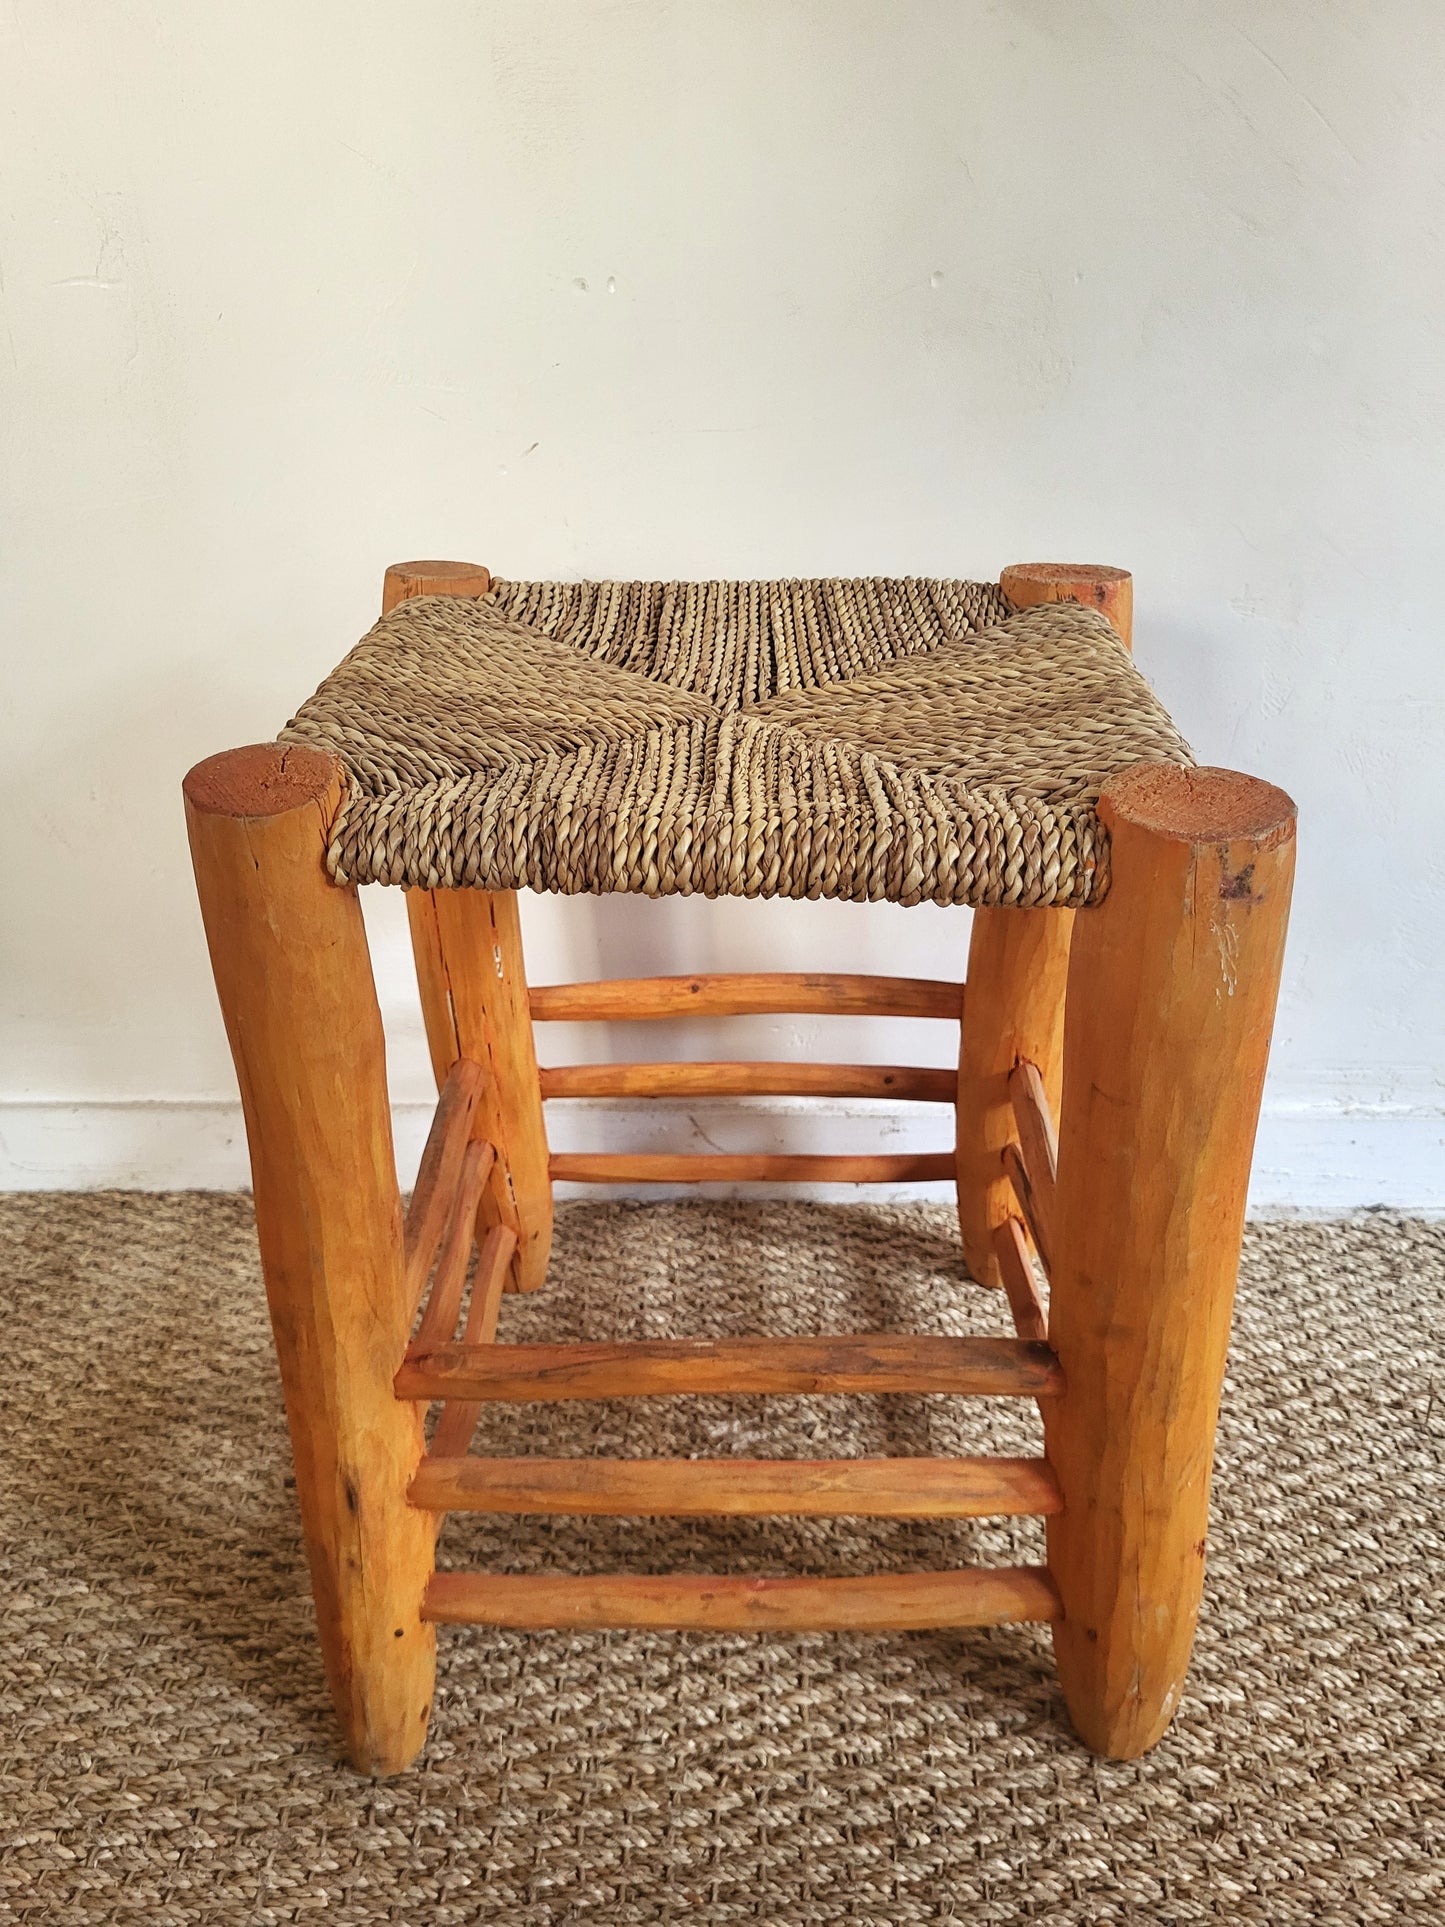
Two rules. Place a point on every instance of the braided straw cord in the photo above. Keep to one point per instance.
(871, 740)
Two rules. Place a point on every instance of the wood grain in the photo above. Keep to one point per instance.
(458, 1421)
(1172, 989)
(901, 1488)
(749, 1080)
(873, 1362)
(444, 1302)
(478, 954)
(433, 985)
(1018, 967)
(891, 1602)
(746, 993)
(1029, 1316)
(468, 950)
(1110, 591)
(1017, 971)
(294, 979)
(1034, 1122)
(660, 1167)
(440, 1172)
(403, 580)
(1035, 1206)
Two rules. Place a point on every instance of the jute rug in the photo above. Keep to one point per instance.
(166, 1751)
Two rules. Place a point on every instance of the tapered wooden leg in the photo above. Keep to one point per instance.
(468, 947)
(1018, 967)
(1172, 987)
(294, 978)
(1013, 1009)
(468, 950)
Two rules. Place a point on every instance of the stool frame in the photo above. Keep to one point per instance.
(1141, 1024)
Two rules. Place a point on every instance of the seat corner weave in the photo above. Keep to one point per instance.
(879, 739)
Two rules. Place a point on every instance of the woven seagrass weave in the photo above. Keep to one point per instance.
(896, 740)
(166, 1741)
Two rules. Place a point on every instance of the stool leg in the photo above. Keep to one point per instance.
(294, 979)
(1018, 968)
(1172, 987)
(1013, 1007)
(468, 948)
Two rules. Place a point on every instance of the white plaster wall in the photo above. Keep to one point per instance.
(732, 288)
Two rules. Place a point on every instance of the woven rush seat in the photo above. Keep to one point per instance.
(877, 739)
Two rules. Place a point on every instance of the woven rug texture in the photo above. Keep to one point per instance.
(166, 1746)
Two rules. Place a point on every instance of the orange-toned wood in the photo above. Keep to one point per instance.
(403, 580)
(294, 979)
(481, 956)
(468, 950)
(440, 1172)
(747, 993)
(444, 1304)
(1032, 1168)
(487, 1286)
(453, 1435)
(1018, 965)
(874, 1362)
(891, 1602)
(1034, 1203)
(1172, 990)
(723, 1488)
(749, 1080)
(433, 984)
(660, 1167)
(1034, 1122)
(1110, 591)
(1030, 1319)
(1017, 969)
(716, 1488)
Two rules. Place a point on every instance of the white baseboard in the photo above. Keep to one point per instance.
(1316, 1158)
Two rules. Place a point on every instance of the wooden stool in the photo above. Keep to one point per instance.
(983, 744)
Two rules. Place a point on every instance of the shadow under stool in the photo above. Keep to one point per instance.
(989, 745)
